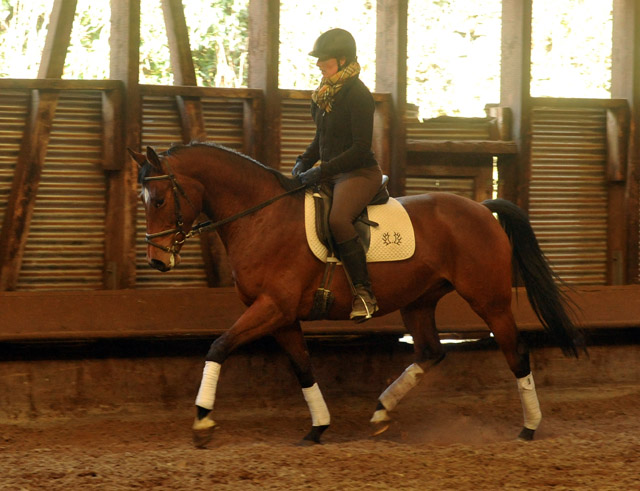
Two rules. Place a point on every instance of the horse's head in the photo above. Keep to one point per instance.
(171, 202)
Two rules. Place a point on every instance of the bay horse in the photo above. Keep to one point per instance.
(459, 246)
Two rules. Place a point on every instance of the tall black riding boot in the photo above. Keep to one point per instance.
(354, 260)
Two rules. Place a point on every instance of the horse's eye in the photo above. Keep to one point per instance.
(159, 203)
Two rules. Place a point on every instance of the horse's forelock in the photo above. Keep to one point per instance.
(144, 171)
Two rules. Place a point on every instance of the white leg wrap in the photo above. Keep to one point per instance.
(529, 400)
(207, 393)
(403, 384)
(317, 406)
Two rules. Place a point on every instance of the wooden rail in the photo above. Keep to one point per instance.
(210, 311)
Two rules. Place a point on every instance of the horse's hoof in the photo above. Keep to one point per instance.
(308, 443)
(526, 435)
(203, 431)
(380, 422)
(313, 437)
(379, 427)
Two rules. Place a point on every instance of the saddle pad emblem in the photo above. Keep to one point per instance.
(392, 240)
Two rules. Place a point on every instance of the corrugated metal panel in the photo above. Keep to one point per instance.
(65, 246)
(224, 121)
(161, 128)
(462, 186)
(568, 194)
(448, 128)
(13, 116)
(297, 131)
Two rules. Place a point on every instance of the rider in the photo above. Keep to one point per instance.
(342, 108)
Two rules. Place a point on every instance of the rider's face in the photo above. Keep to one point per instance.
(328, 66)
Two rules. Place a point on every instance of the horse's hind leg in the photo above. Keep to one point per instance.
(419, 319)
(292, 342)
(503, 326)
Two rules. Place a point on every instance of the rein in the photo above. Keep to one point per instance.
(180, 236)
(208, 225)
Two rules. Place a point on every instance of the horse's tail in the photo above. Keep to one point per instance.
(550, 304)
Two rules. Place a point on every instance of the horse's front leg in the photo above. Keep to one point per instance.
(292, 341)
(261, 318)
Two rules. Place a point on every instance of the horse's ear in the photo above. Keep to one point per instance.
(153, 158)
(137, 156)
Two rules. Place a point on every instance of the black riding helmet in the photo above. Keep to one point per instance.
(335, 43)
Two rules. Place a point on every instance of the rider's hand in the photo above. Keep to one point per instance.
(311, 176)
(300, 167)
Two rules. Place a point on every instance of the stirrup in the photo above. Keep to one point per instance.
(364, 305)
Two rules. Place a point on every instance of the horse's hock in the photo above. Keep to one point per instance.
(39, 380)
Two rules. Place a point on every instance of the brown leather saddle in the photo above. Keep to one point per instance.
(322, 198)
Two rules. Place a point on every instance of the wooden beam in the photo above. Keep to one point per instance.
(179, 47)
(625, 84)
(184, 73)
(58, 36)
(121, 206)
(113, 149)
(252, 117)
(491, 147)
(24, 188)
(382, 144)
(33, 149)
(515, 90)
(264, 55)
(192, 120)
(617, 142)
(391, 77)
(58, 84)
(211, 311)
(189, 91)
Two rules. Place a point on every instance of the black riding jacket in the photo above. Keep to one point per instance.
(343, 136)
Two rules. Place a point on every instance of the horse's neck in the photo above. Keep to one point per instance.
(233, 185)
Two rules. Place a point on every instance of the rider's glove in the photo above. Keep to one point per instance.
(311, 176)
(300, 167)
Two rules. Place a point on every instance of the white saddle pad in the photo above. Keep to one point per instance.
(392, 240)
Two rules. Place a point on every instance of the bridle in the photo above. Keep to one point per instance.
(180, 236)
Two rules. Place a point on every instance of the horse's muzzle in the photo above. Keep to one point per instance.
(159, 265)
(174, 260)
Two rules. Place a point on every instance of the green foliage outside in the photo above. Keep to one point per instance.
(453, 64)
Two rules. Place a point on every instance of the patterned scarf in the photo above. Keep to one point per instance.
(326, 92)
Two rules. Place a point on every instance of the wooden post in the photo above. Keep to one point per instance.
(33, 149)
(625, 84)
(515, 93)
(121, 207)
(391, 76)
(193, 126)
(264, 45)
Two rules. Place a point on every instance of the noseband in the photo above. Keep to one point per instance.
(179, 235)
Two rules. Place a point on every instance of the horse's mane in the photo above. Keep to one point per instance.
(288, 183)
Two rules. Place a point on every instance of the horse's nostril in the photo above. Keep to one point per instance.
(159, 265)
